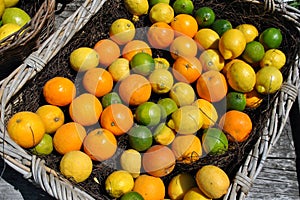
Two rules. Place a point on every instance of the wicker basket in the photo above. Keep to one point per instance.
(18, 46)
(21, 90)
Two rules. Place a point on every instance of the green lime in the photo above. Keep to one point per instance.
(205, 16)
(140, 137)
(221, 26)
(254, 52)
(168, 106)
(132, 195)
(110, 98)
(183, 7)
(153, 2)
(214, 141)
(16, 16)
(142, 63)
(235, 101)
(44, 147)
(271, 38)
(148, 114)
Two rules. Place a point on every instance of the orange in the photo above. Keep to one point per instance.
(253, 99)
(26, 129)
(98, 81)
(52, 117)
(108, 51)
(135, 46)
(212, 86)
(160, 35)
(59, 91)
(135, 89)
(187, 70)
(184, 24)
(149, 187)
(117, 118)
(183, 46)
(68, 137)
(159, 160)
(100, 144)
(85, 109)
(186, 148)
(237, 124)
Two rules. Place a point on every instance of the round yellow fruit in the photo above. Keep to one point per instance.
(182, 93)
(195, 194)
(8, 29)
(83, 59)
(119, 69)
(250, 31)
(137, 8)
(161, 81)
(208, 111)
(76, 166)
(273, 57)
(131, 161)
(161, 12)
(268, 80)
(207, 39)
(122, 31)
(118, 183)
(232, 44)
(241, 77)
(180, 185)
(212, 181)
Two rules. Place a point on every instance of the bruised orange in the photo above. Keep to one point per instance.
(98, 81)
(108, 51)
(237, 124)
(160, 35)
(100, 144)
(117, 118)
(187, 69)
(135, 89)
(212, 86)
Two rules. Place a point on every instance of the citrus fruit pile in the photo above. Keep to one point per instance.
(176, 108)
(12, 18)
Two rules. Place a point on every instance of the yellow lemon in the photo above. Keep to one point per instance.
(163, 134)
(119, 69)
(186, 120)
(182, 93)
(212, 59)
(8, 29)
(137, 8)
(228, 64)
(232, 44)
(52, 117)
(273, 57)
(268, 80)
(161, 63)
(122, 31)
(10, 3)
(180, 185)
(250, 31)
(2, 7)
(212, 181)
(207, 39)
(83, 59)
(131, 161)
(118, 183)
(241, 77)
(208, 111)
(76, 165)
(161, 81)
(195, 194)
(161, 12)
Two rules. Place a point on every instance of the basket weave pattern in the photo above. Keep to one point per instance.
(86, 26)
(19, 45)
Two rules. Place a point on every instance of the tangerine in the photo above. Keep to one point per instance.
(160, 35)
(108, 51)
(184, 24)
(135, 89)
(100, 144)
(149, 187)
(59, 91)
(117, 118)
(69, 137)
(187, 70)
